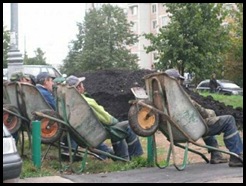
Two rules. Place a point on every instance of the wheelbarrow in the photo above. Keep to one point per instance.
(166, 107)
(14, 114)
(83, 125)
(73, 117)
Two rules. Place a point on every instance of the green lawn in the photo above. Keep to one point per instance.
(233, 100)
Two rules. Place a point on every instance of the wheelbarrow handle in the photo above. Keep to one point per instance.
(13, 113)
(50, 117)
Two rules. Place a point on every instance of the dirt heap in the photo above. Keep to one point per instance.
(111, 89)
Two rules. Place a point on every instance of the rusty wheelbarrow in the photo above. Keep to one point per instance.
(73, 117)
(14, 112)
(82, 124)
(166, 107)
(26, 99)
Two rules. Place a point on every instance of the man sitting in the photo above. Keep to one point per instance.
(127, 148)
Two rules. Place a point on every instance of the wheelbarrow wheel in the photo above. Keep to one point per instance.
(12, 122)
(51, 131)
(143, 121)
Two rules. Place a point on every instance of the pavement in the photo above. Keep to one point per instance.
(193, 173)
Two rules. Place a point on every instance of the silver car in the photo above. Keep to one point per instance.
(225, 87)
(36, 69)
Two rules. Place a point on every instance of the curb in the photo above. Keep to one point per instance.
(47, 179)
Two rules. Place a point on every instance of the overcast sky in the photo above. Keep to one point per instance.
(50, 26)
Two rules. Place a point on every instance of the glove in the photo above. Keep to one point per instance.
(114, 121)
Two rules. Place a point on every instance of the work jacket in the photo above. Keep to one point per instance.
(47, 95)
(100, 112)
(207, 114)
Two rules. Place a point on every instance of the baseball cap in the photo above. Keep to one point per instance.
(74, 81)
(16, 76)
(174, 73)
(42, 76)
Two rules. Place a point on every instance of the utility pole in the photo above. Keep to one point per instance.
(15, 59)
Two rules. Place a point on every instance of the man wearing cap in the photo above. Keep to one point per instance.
(45, 86)
(129, 147)
(21, 77)
(216, 125)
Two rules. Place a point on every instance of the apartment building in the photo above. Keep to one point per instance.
(147, 18)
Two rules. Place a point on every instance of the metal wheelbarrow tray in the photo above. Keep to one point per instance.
(84, 125)
(169, 109)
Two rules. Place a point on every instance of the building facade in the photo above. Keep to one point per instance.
(147, 18)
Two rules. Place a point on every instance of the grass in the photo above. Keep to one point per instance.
(51, 166)
(233, 100)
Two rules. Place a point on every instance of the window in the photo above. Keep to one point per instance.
(154, 24)
(164, 20)
(206, 84)
(228, 6)
(153, 8)
(225, 24)
(134, 10)
(135, 27)
(135, 44)
(154, 56)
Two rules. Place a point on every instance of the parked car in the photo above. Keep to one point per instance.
(12, 162)
(36, 69)
(225, 87)
(5, 71)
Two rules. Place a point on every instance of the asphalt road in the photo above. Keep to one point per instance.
(193, 173)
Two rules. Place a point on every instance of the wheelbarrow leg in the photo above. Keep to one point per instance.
(182, 167)
(72, 155)
(166, 163)
(83, 163)
(194, 151)
(46, 152)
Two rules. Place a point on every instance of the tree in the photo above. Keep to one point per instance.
(6, 46)
(193, 40)
(233, 68)
(102, 42)
(39, 59)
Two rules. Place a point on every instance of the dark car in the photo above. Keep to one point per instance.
(12, 163)
(225, 87)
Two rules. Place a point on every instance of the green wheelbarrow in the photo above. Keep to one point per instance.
(166, 107)
(77, 119)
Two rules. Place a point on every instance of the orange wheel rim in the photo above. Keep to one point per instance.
(10, 121)
(48, 130)
(146, 118)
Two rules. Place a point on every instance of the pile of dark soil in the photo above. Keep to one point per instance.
(111, 89)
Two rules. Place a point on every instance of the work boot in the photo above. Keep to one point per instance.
(235, 161)
(217, 157)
